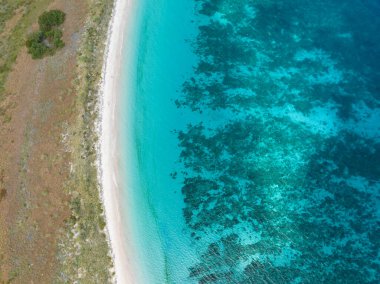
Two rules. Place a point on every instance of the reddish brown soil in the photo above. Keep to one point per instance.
(34, 165)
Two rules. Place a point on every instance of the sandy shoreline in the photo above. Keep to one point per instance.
(122, 251)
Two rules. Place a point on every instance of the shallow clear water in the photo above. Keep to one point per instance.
(256, 129)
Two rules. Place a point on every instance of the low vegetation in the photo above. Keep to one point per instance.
(48, 39)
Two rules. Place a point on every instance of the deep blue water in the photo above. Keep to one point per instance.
(257, 137)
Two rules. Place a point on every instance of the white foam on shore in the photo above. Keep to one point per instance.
(119, 231)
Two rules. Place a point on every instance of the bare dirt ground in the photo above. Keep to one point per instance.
(34, 165)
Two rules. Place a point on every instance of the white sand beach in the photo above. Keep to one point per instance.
(122, 250)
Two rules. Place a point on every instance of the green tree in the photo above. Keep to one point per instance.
(36, 46)
(49, 38)
(54, 38)
(51, 19)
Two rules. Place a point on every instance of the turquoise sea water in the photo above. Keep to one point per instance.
(254, 144)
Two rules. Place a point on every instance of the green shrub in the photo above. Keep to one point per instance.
(49, 38)
(51, 19)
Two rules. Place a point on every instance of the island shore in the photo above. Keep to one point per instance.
(51, 213)
(123, 252)
(44, 168)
